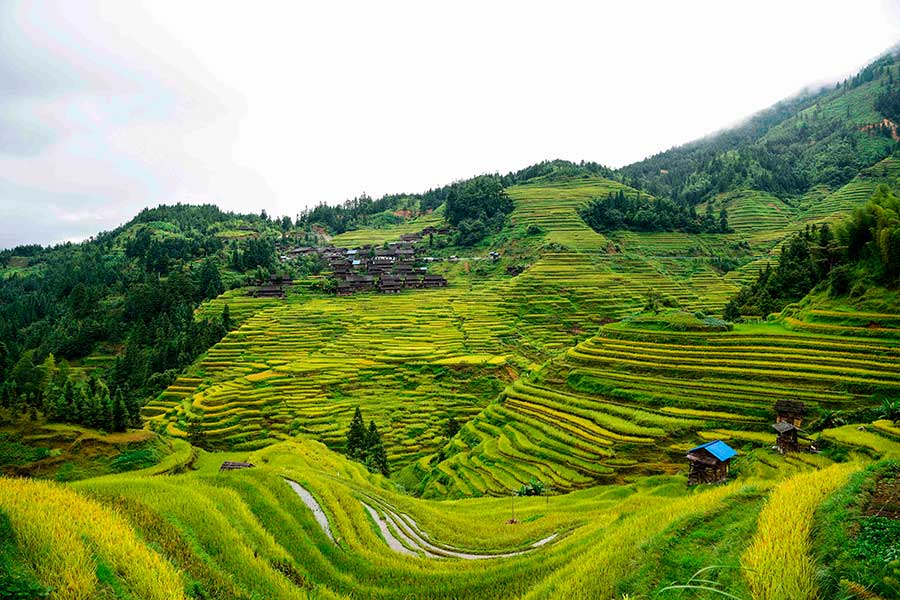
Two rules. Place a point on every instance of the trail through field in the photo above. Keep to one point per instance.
(402, 534)
(310, 501)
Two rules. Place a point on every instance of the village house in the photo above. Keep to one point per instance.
(709, 462)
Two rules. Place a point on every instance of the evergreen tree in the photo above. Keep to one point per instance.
(356, 437)
(452, 427)
(133, 408)
(58, 408)
(210, 282)
(376, 456)
(91, 408)
(227, 323)
(120, 416)
(194, 430)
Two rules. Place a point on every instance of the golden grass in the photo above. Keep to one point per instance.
(778, 561)
(65, 536)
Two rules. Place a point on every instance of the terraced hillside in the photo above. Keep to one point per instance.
(301, 367)
(412, 361)
(632, 400)
(553, 206)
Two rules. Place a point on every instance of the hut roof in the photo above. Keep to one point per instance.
(784, 426)
(719, 449)
(791, 406)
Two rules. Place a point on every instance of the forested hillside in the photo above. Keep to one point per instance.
(90, 330)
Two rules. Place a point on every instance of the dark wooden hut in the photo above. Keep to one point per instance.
(709, 462)
(790, 411)
(434, 281)
(230, 465)
(389, 284)
(788, 437)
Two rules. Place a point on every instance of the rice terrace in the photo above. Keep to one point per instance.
(675, 379)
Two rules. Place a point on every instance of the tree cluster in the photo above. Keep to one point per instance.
(254, 253)
(888, 104)
(863, 248)
(477, 207)
(365, 445)
(66, 396)
(619, 211)
(806, 259)
(871, 236)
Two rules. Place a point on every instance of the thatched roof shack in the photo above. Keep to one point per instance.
(709, 462)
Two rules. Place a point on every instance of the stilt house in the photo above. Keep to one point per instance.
(709, 462)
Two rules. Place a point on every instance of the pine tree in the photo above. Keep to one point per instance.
(55, 404)
(194, 431)
(376, 456)
(356, 437)
(91, 409)
(133, 409)
(120, 417)
(227, 323)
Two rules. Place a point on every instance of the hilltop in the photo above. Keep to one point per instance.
(597, 325)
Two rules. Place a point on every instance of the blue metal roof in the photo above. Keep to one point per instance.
(717, 448)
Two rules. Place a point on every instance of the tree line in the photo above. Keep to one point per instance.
(636, 212)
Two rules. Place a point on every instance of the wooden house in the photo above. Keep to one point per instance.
(790, 411)
(269, 291)
(789, 436)
(230, 465)
(389, 284)
(434, 281)
(709, 462)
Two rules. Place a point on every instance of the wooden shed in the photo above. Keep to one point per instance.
(789, 438)
(230, 465)
(790, 411)
(709, 462)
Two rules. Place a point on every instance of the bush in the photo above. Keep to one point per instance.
(471, 231)
(840, 281)
(859, 290)
(534, 230)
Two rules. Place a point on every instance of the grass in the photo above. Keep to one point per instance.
(856, 532)
(69, 549)
(778, 562)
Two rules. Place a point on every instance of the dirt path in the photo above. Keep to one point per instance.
(401, 532)
(400, 526)
(393, 543)
(310, 501)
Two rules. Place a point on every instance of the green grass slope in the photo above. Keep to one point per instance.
(246, 534)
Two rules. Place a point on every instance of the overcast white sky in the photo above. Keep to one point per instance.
(108, 107)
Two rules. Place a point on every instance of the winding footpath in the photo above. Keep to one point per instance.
(310, 501)
(401, 532)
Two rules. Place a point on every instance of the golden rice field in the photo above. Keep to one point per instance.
(630, 401)
(248, 534)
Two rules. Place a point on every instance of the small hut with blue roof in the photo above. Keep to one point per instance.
(709, 462)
